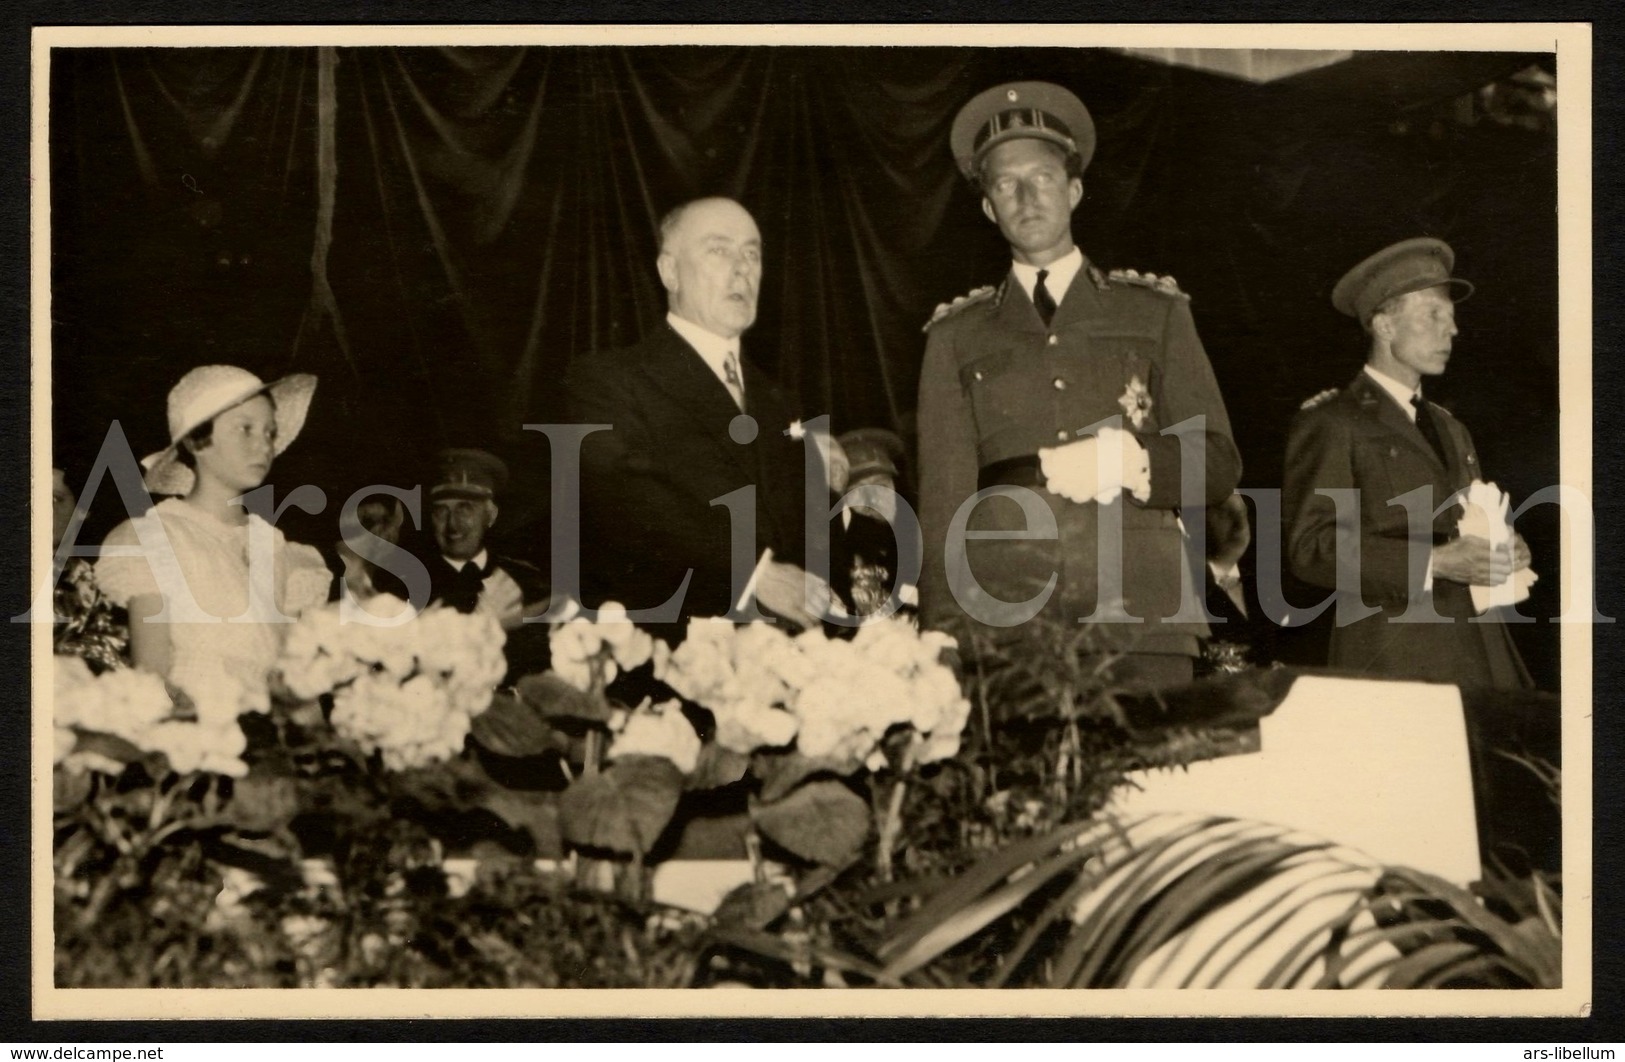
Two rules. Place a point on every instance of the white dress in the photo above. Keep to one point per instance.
(223, 652)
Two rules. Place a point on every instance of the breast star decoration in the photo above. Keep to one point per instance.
(1136, 401)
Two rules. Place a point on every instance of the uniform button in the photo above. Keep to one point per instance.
(1060, 383)
(977, 374)
(1062, 435)
(1054, 340)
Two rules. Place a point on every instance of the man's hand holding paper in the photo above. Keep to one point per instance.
(1485, 515)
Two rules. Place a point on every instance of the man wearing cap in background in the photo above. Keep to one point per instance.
(868, 457)
(1065, 371)
(1379, 437)
(465, 574)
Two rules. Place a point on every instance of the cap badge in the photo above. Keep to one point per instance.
(1011, 95)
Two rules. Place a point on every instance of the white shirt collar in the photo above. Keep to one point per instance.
(1401, 393)
(478, 561)
(1061, 272)
(712, 348)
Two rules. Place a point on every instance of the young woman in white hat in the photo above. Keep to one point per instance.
(211, 587)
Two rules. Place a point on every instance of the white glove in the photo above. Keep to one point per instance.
(1098, 467)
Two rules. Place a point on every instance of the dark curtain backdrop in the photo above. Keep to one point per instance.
(436, 232)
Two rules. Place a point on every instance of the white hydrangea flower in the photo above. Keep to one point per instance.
(576, 644)
(632, 645)
(659, 730)
(744, 726)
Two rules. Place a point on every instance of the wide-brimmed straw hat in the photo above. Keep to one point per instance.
(210, 390)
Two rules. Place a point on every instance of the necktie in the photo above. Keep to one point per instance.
(730, 376)
(1043, 301)
(463, 591)
(1430, 430)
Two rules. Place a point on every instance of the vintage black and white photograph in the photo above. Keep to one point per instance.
(854, 512)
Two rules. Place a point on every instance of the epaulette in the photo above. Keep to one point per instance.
(948, 309)
(1166, 285)
(1315, 401)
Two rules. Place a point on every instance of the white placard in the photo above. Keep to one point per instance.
(1376, 765)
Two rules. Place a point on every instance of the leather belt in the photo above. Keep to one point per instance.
(1025, 471)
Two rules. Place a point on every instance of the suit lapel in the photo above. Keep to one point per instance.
(677, 370)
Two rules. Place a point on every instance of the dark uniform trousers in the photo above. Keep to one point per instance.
(997, 386)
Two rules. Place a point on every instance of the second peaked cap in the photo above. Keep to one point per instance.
(1398, 269)
(468, 473)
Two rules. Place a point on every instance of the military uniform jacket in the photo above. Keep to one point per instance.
(997, 386)
(649, 484)
(1362, 440)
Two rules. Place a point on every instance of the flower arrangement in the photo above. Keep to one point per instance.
(136, 707)
(793, 719)
(406, 692)
(588, 651)
(904, 831)
(836, 699)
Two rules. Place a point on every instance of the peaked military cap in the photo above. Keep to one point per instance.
(871, 450)
(464, 473)
(1404, 267)
(1031, 109)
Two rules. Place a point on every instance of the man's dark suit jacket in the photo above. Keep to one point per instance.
(649, 484)
(1362, 439)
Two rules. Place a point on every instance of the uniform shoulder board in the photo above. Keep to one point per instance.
(1165, 284)
(1316, 401)
(948, 309)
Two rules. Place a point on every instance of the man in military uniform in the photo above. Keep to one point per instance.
(1380, 438)
(464, 574)
(1065, 369)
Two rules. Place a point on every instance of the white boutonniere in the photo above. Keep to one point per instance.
(796, 430)
(1136, 401)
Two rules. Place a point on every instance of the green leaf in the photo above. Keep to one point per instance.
(822, 821)
(535, 812)
(557, 699)
(1430, 965)
(1285, 912)
(1130, 879)
(1203, 890)
(782, 771)
(69, 789)
(772, 946)
(975, 881)
(624, 808)
(1464, 905)
(264, 802)
(753, 905)
(1052, 916)
(717, 767)
(110, 745)
(512, 727)
(969, 919)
